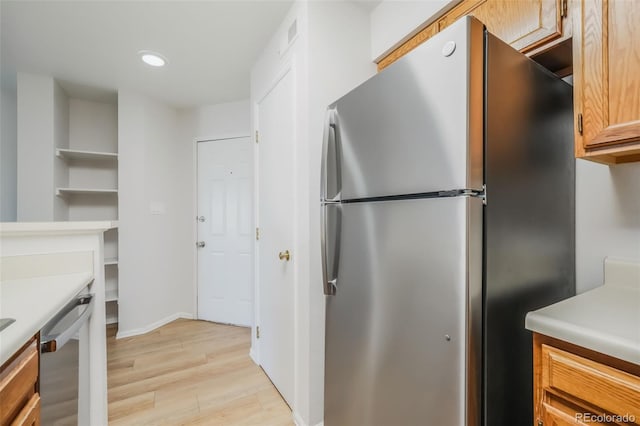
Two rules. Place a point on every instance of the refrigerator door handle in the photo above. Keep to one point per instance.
(329, 147)
(330, 254)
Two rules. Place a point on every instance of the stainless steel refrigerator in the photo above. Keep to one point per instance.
(447, 214)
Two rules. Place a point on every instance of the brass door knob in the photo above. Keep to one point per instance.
(284, 255)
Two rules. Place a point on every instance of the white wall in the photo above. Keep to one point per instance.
(60, 140)
(93, 126)
(156, 252)
(35, 189)
(8, 155)
(607, 218)
(393, 22)
(219, 121)
(330, 57)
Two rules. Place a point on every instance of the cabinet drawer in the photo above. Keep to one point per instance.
(555, 417)
(614, 391)
(17, 383)
(30, 414)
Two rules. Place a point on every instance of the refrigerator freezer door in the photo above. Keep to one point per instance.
(396, 329)
(410, 128)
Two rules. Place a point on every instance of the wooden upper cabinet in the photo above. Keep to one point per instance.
(607, 80)
(527, 25)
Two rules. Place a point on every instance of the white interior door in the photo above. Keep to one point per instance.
(225, 231)
(276, 217)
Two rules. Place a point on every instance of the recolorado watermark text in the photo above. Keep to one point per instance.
(605, 418)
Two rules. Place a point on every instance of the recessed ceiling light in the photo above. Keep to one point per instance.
(152, 58)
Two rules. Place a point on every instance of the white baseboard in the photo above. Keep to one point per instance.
(121, 334)
(297, 419)
(253, 355)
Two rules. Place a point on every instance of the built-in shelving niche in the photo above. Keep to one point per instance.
(86, 168)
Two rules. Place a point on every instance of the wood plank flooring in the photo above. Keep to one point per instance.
(190, 373)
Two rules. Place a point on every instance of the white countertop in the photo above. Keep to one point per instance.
(32, 302)
(605, 319)
(12, 228)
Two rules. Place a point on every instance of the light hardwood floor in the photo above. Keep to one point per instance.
(190, 373)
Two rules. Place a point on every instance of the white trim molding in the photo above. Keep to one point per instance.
(153, 326)
(297, 419)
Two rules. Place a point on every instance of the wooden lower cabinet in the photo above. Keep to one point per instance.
(30, 414)
(19, 398)
(576, 386)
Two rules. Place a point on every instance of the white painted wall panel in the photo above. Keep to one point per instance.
(61, 140)
(156, 269)
(35, 150)
(8, 155)
(607, 218)
(93, 126)
(222, 120)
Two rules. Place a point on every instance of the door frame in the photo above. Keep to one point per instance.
(287, 67)
(194, 216)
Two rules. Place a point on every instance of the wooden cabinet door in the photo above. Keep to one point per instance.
(30, 414)
(525, 25)
(552, 416)
(607, 80)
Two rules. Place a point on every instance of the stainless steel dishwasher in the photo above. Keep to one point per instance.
(59, 355)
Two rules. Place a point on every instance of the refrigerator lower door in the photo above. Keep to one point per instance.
(398, 329)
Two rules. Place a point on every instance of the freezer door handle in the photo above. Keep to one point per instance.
(330, 179)
(51, 342)
(331, 230)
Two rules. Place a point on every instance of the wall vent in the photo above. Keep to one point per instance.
(287, 40)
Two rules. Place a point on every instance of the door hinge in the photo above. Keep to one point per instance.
(257, 136)
(564, 6)
(580, 123)
(257, 332)
(257, 234)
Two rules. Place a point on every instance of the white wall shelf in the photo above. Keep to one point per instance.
(76, 154)
(111, 296)
(84, 191)
(111, 261)
(112, 319)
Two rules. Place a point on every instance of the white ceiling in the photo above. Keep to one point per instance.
(210, 45)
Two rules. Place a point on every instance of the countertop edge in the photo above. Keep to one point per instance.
(580, 336)
(25, 228)
(31, 328)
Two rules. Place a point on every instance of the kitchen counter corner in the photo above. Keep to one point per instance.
(32, 302)
(605, 319)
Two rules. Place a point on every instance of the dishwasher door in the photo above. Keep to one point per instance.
(59, 355)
